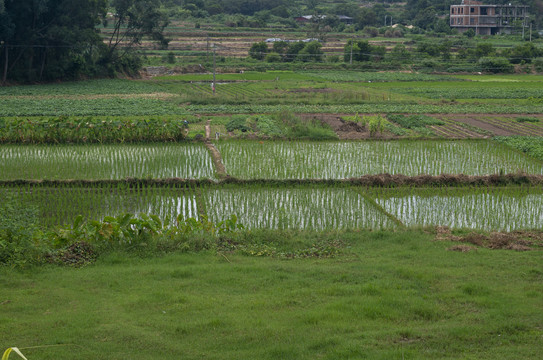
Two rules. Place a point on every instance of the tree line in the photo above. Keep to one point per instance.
(43, 40)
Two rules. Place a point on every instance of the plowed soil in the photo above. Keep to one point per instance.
(458, 126)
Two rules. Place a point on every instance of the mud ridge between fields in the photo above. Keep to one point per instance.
(217, 160)
(215, 153)
(380, 180)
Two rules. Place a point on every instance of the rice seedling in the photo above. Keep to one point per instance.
(338, 160)
(63, 204)
(105, 161)
(491, 209)
(315, 208)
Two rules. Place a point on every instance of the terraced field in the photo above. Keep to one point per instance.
(340, 160)
(419, 113)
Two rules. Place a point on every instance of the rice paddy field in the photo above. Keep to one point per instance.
(296, 208)
(61, 205)
(56, 162)
(490, 209)
(485, 98)
(324, 267)
(340, 160)
(302, 207)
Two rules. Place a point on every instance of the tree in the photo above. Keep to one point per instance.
(361, 50)
(48, 39)
(400, 53)
(6, 32)
(524, 53)
(258, 50)
(469, 33)
(293, 50)
(311, 52)
(365, 17)
(484, 49)
(135, 19)
(495, 65)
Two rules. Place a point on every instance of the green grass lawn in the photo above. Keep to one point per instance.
(385, 296)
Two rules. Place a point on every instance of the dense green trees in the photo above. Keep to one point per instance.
(287, 52)
(49, 39)
(44, 40)
(362, 51)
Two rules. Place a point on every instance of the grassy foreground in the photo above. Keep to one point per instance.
(386, 295)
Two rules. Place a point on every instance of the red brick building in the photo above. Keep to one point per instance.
(487, 19)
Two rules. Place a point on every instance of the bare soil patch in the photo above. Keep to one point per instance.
(346, 130)
(520, 240)
(501, 125)
(471, 120)
(458, 126)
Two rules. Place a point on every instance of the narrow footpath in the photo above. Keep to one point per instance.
(215, 154)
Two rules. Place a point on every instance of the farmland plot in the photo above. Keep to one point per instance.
(294, 208)
(492, 209)
(62, 204)
(335, 160)
(105, 161)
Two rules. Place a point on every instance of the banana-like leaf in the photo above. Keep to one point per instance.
(9, 350)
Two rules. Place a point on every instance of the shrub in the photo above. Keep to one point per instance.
(238, 122)
(470, 33)
(268, 126)
(495, 65)
(371, 31)
(414, 121)
(169, 58)
(538, 64)
(376, 124)
(273, 57)
(258, 50)
(527, 119)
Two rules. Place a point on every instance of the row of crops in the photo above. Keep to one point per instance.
(300, 207)
(263, 160)
(300, 92)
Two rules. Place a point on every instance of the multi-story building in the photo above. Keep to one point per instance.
(487, 19)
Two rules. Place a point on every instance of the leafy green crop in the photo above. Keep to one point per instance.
(64, 130)
(414, 121)
(532, 146)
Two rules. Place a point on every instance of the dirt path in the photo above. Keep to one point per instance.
(215, 154)
(208, 129)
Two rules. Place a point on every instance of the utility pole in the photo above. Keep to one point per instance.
(213, 85)
(351, 61)
(207, 49)
(386, 20)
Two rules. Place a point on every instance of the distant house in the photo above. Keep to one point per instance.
(487, 19)
(307, 18)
